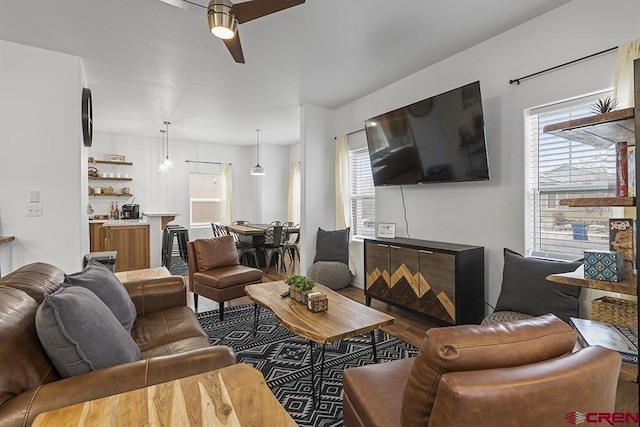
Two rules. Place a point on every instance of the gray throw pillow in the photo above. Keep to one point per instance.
(80, 334)
(332, 245)
(525, 288)
(104, 283)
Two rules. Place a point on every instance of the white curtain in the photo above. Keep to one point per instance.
(226, 204)
(343, 193)
(623, 78)
(293, 213)
(343, 202)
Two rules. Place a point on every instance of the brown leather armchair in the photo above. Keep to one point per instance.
(215, 273)
(510, 374)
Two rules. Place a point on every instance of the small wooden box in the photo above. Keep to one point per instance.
(317, 301)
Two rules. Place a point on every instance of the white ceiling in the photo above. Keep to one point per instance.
(148, 61)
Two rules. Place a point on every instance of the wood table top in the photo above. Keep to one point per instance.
(250, 230)
(142, 274)
(233, 396)
(344, 318)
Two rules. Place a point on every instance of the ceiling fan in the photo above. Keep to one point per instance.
(224, 17)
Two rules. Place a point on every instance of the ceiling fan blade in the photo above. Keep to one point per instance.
(250, 10)
(235, 48)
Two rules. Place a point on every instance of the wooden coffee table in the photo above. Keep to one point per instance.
(233, 396)
(345, 318)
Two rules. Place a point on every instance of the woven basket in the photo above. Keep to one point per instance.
(615, 310)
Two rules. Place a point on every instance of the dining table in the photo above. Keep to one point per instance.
(257, 235)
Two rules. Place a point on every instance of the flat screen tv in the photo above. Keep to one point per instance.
(438, 139)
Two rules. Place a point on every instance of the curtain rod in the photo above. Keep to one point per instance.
(198, 161)
(517, 81)
(351, 133)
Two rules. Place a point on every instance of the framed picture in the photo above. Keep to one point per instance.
(387, 229)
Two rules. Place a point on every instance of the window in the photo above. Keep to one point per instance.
(204, 198)
(561, 169)
(363, 196)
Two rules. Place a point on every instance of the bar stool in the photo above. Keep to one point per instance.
(182, 236)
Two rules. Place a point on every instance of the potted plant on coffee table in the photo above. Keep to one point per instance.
(299, 287)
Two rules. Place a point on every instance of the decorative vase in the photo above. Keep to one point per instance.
(299, 296)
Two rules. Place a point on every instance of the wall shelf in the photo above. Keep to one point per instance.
(108, 162)
(576, 278)
(110, 195)
(99, 178)
(599, 131)
(598, 201)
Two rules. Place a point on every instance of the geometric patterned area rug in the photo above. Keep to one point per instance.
(283, 359)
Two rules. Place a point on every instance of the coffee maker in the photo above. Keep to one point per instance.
(131, 211)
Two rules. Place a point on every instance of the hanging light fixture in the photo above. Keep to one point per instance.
(257, 169)
(166, 161)
(161, 167)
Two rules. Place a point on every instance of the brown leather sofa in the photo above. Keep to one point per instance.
(511, 374)
(172, 343)
(215, 271)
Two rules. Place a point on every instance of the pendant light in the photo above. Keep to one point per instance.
(166, 162)
(257, 169)
(161, 167)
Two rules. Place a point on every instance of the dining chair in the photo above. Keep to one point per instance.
(275, 223)
(218, 230)
(274, 245)
(244, 249)
(240, 222)
(288, 224)
(291, 244)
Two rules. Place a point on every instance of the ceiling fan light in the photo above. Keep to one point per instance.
(223, 32)
(222, 22)
(257, 170)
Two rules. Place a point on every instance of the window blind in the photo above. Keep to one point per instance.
(204, 198)
(363, 196)
(563, 169)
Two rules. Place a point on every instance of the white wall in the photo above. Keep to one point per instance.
(41, 149)
(318, 189)
(491, 214)
(254, 198)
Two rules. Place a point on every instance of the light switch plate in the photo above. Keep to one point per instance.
(34, 209)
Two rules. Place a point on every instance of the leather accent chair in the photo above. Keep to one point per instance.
(172, 343)
(510, 374)
(215, 272)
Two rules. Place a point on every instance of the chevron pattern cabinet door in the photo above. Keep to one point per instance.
(438, 285)
(405, 267)
(377, 266)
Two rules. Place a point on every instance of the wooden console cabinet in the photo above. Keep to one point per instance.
(443, 280)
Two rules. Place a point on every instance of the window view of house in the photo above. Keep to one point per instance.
(562, 169)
